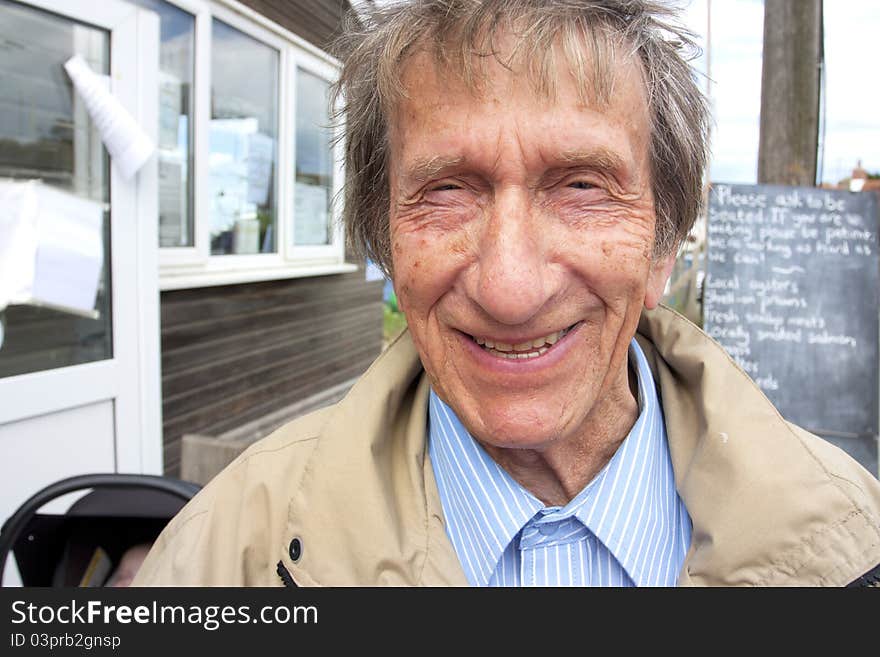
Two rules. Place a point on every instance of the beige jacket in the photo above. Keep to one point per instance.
(770, 503)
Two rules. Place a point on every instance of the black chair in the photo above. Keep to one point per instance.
(121, 511)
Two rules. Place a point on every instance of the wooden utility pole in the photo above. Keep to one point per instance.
(790, 92)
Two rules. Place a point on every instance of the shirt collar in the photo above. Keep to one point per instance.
(486, 508)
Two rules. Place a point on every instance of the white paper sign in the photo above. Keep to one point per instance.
(172, 203)
(18, 240)
(260, 151)
(310, 215)
(51, 247)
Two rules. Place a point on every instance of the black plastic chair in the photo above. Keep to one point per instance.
(121, 511)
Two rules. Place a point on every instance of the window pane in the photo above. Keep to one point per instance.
(176, 65)
(46, 133)
(314, 162)
(244, 132)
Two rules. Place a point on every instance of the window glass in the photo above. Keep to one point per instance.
(175, 152)
(46, 133)
(314, 162)
(243, 138)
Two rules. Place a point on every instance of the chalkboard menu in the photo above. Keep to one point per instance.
(791, 292)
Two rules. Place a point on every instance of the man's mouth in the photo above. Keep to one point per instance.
(524, 350)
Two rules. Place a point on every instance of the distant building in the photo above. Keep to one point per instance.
(861, 181)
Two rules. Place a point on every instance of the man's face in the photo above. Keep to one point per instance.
(522, 230)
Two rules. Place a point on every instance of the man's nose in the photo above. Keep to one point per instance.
(513, 279)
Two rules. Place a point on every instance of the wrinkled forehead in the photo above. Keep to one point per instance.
(596, 61)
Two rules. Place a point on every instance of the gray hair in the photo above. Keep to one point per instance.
(379, 42)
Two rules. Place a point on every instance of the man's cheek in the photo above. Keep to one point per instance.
(430, 265)
(622, 260)
(402, 293)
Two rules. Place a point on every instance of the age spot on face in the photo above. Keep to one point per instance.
(459, 246)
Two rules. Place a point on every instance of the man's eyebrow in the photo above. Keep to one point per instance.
(597, 158)
(424, 169)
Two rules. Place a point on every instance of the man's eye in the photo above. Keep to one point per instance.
(580, 184)
(444, 188)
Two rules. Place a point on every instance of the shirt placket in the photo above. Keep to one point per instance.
(544, 559)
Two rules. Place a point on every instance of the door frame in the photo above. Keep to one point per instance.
(131, 378)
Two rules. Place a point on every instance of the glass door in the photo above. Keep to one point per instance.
(46, 134)
(80, 392)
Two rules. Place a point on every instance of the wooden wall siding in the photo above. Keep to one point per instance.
(235, 353)
(316, 21)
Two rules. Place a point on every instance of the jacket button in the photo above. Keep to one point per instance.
(296, 550)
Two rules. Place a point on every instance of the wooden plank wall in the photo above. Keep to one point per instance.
(316, 21)
(234, 353)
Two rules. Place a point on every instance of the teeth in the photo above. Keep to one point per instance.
(522, 350)
(522, 356)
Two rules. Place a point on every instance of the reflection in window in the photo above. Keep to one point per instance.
(175, 153)
(46, 133)
(244, 133)
(314, 162)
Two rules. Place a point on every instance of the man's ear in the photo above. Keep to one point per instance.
(661, 268)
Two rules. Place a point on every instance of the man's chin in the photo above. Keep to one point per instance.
(535, 435)
(518, 419)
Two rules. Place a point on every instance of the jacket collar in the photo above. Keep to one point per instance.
(769, 503)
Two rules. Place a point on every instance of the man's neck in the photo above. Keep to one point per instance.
(557, 472)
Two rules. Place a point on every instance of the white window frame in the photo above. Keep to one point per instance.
(190, 267)
(336, 246)
(171, 258)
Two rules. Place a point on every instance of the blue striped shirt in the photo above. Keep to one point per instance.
(627, 527)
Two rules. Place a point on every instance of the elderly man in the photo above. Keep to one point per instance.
(525, 171)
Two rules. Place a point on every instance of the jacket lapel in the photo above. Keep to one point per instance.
(766, 510)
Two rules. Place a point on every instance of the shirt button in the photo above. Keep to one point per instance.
(547, 529)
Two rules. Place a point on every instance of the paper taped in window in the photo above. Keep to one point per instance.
(51, 247)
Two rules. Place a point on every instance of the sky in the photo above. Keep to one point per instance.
(852, 94)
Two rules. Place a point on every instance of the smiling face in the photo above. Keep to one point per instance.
(522, 230)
